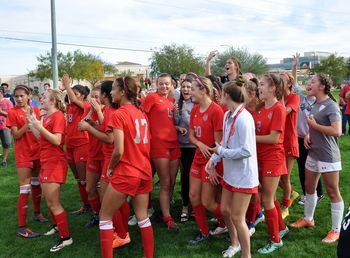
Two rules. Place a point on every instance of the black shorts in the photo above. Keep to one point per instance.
(5, 137)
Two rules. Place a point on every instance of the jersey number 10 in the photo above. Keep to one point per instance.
(143, 123)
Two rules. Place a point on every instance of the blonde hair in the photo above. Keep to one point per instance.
(204, 83)
(58, 97)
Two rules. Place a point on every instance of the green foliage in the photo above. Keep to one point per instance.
(335, 67)
(78, 65)
(250, 62)
(175, 60)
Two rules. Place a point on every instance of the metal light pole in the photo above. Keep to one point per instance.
(54, 46)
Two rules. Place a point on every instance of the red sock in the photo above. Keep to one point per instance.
(147, 238)
(258, 203)
(125, 212)
(201, 218)
(286, 202)
(62, 224)
(22, 208)
(95, 204)
(281, 225)
(272, 224)
(251, 213)
(166, 219)
(36, 198)
(53, 218)
(118, 224)
(83, 194)
(106, 239)
(218, 215)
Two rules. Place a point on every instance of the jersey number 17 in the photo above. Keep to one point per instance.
(143, 124)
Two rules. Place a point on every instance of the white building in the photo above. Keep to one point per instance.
(133, 69)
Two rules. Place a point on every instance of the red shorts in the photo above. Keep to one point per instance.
(292, 152)
(198, 171)
(94, 166)
(77, 154)
(166, 153)
(29, 164)
(271, 168)
(239, 190)
(104, 176)
(131, 185)
(54, 173)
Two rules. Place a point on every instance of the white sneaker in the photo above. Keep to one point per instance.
(218, 231)
(302, 200)
(61, 244)
(132, 220)
(52, 231)
(231, 251)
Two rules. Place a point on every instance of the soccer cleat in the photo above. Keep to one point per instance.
(319, 198)
(40, 218)
(61, 244)
(150, 212)
(52, 231)
(331, 237)
(293, 197)
(171, 224)
(184, 217)
(231, 251)
(302, 200)
(285, 212)
(118, 241)
(251, 228)
(132, 220)
(218, 231)
(260, 217)
(4, 163)
(302, 223)
(270, 247)
(284, 232)
(93, 222)
(82, 210)
(27, 233)
(198, 238)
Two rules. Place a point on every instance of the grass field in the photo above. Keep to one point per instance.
(300, 242)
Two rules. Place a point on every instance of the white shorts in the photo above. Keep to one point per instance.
(320, 166)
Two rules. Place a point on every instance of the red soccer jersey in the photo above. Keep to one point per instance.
(95, 146)
(161, 119)
(107, 148)
(54, 123)
(345, 90)
(205, 124)
(224, 108)
(291, 136)
(76, 138)
(267, 120)
(27, 147)
(135, 161)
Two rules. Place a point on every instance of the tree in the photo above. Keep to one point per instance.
(250, 62)
(175, 60)
(334, 66)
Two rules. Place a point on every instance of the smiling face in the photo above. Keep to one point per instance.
(231, 67)
(164, 85)
(95, 94)
(21, 98)
(186, 90)
(266, 91)
(47, 102)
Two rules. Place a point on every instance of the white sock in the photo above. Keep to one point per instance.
(309, 206)
(337, 209)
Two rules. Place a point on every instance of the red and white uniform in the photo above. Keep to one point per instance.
(133, 173)
(164, 141)
(95, 157)
(77, 142)
(290, 143)
(53, 159)
(271, 157)
(27, 147)
(107, 148)
(205, 124)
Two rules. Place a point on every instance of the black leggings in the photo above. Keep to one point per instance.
(301, 165)
(187, 155)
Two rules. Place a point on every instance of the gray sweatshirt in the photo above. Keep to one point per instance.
(184, 121)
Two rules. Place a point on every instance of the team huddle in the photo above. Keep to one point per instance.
(234, 138)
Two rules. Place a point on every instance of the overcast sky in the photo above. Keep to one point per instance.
(274, 28)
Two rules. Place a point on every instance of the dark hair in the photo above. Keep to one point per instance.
(83, 90)
(21, 87)
(129, 85)
(181, 99)
(252, 85)
(216, 82)
(4, 84)
(328, 83)
(2, 90)
(106, 88)
(289, 78)
(174, 81)
(235, 89)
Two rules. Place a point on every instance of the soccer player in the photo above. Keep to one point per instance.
(129, 169)
(291, 102)
(27, 151)
(165, 151)
(5, 133)
(53, 161)
(270, 125)
(205, 129)
(324, 156)
(240, 179)
(77, 143)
